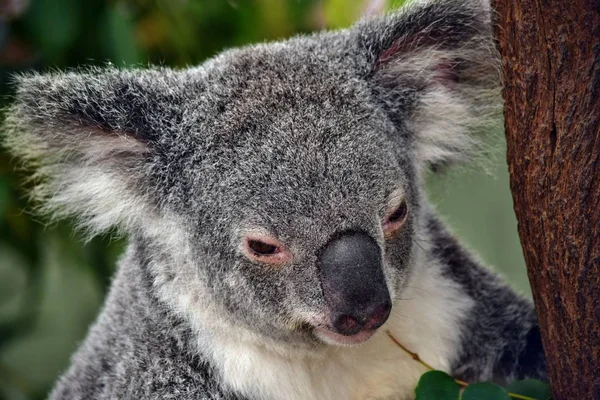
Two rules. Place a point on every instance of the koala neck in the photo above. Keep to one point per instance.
(133, 304)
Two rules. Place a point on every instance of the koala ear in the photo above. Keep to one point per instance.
(433, 66)
(90, 137)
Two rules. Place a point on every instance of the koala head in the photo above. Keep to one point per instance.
(275, 188)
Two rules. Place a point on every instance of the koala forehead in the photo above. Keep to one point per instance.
(311, 124)
(283, 127)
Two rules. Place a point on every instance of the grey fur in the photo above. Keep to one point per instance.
(303, 139)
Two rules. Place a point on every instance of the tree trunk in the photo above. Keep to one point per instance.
(551, 60)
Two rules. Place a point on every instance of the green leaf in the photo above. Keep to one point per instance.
(437, 385)
(485, 391)
(531, 388)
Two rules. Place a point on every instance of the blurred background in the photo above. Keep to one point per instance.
(51, 283)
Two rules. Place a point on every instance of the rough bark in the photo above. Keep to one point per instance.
(551, 62)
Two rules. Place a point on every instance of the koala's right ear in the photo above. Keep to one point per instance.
(433, 66)
(91, 136)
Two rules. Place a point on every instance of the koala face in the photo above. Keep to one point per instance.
(288, 174)
(302, 197)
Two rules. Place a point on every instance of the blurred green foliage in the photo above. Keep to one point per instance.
(51, 283)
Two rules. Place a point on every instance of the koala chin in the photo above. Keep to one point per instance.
(277, 222)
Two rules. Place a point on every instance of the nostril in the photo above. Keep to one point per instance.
(379, 316)
(347, 325)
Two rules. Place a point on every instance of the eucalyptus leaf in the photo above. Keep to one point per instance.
(531, 388)
(437, 385)
(485, 391)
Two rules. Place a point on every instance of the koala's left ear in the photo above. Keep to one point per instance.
(433, 66)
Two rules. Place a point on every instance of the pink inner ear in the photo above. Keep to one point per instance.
(443, 71)
(407, 44)
(384, 57)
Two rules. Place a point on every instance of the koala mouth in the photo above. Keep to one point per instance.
(329, 337)
(346, 331)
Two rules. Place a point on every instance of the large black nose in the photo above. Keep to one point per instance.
(353, 283)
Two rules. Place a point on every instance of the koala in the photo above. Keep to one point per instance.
(277, 222)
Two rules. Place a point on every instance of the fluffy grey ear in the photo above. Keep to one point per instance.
(433, 65)
(91, 136)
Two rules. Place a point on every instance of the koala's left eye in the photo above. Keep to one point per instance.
(265, 249)
(395, 219)
(400, 214)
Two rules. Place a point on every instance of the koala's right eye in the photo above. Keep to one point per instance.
(262, 248)
(265, 249)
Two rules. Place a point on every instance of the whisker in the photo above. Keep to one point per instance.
(424, 240)
(418, 244)
(418, 288)
(398, 314)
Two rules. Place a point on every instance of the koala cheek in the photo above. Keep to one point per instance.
(303, 290)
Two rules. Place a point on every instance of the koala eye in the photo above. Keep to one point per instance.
(262, 248)
(265, 249)
(395, 220)
(400, 213)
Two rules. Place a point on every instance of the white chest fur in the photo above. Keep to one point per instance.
(426, 320)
